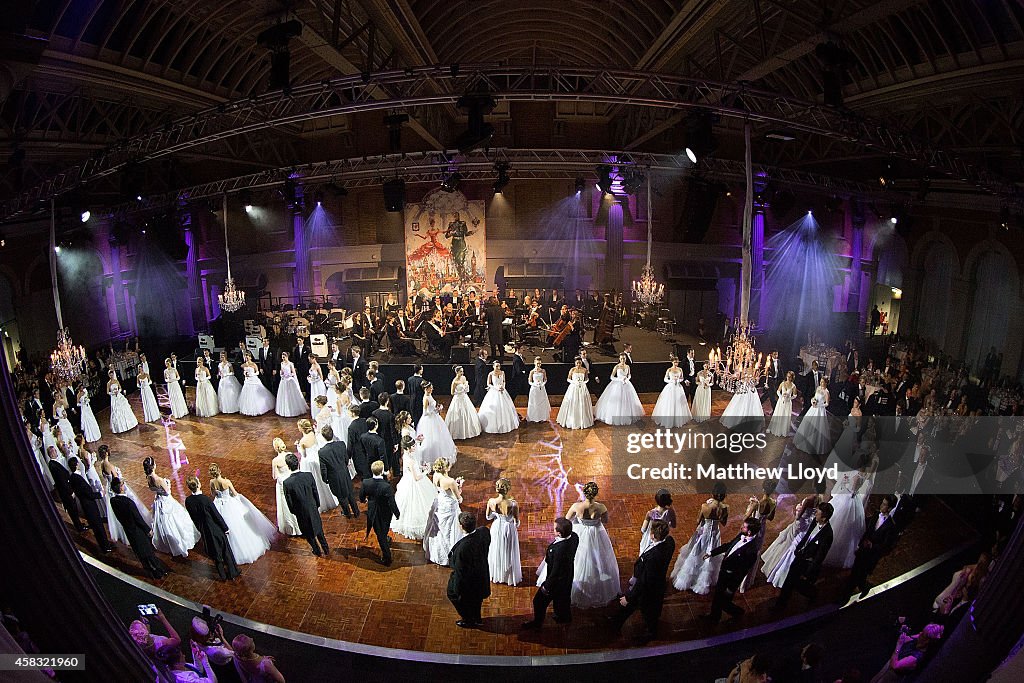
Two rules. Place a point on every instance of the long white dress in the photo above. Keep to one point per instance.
(317, 386)
(173, 530)
(668, 514)
(287, 524)
(782, 419)
(619, 403)
(576, 411)
(179, 408)
(254, 398)
(503, 558)
(848, 518)
(442, 530)
(812, 435)
(340, 421)
(310, 462)
(150, 408)
(414, 498)
(437, 442)
(461, 418)
(64, 427)
(744, 409)
(691, 572)
(206, 397)
(497, 411)
(251, 532)
(538, 407)
(672, 409)
(702, 397)
(290, 402)
(121, 416)
(779, 556)
(595, 580)
(116, 530)
(228, 389)
(90, 427)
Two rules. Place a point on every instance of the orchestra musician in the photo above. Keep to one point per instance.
(401, 343)
(392, 305)
(439, 338)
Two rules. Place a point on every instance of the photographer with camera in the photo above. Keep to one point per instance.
(207, 635)
(907, 658)
(140, 632)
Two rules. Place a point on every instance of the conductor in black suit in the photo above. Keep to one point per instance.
(137, 530)
(810, 553)
(304, 502)
(494, 315)
(560, 558)
(414, 387)
(62, 482)
(880, 534)
(87, 496)
(334, 470)
(470, 580)
(740, 555)
(380, 509)
(647, 590)
(213, 529)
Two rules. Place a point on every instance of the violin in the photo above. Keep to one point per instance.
(534, 316)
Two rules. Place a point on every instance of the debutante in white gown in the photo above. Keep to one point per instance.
(310, 462)
(340, 421)
(317, 386)
(90, 427)
(287, 524)
(64, 427)
(121, 416)
(437, 442)
(619, 403)
(812, 434)
(503, 558)
(779, 556)
(668, 514)
(179, 408)
(595, 580)
(702, 397)
(228, 389)
(414, 497)
(150, 408)
(206, 397)
(848, 518)
(173, 530)
(461, 418)
(576, 411)
(691, 572)
(538, 407)
(290, 402)
(251, 532)
(497, 411)
(442, 530)
(782, 419)
(744, 409)
(116, 530)
(254, 398)
(672, 409)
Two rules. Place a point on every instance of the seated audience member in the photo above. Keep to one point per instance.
(908, 656)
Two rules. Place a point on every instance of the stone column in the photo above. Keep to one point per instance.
(613, 259)
(757, 262)
(303, 260)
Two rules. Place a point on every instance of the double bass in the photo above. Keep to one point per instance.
(604, 333)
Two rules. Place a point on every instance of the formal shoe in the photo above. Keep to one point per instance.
(327, 550)
(530, 625)
(463, 624)
(318, 553)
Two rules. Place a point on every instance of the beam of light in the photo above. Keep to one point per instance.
(321, 229)
(565, 221)
(86, 215)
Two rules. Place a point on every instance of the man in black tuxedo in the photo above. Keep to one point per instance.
(740, 555)
(367, 404)
(87, 496)
(481, 367)
(137, 530)
(62, 482)
(266, 359)
(304, 502)
(690, 370)
(592, 379)
(517, 382)
(32, 407)
(334, 471)
(336, 355)
(810, 553)
(647, 590)
(180, 370)
(381, 508)
(386, 428)
(300, 357)
(213, 529)
(560, 558)
(772, 375)
(627, 350)
(238, 357)
(356, 429)
(375, 383)
(400, 400)
(494, 315)
(415, 390)
(880, 535)
(359, 367)
(211, 365)
(470, 580)
(374, 446)
(811, 381)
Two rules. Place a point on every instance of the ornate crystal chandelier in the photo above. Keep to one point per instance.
(67, 361)
(741, 368)
(647, 291)
(232, 298)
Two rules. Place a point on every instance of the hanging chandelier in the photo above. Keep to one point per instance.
(67, 361)
(647, 291)
(232, 298)
(741, 368)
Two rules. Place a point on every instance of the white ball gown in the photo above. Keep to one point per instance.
(442, 530)
(254, 398)
(90, 427)
(121, 416)
(672, 409)
(150, 408)
(173, 530)
(619, 403)
(310, 462)
(848, 519)
(67, 432)
(437, 442)
(538, 407)
(702, 397)
(290, 402)
(782, 419)
(812, 435)
(461, 418)
(668, 514)
(779, 556)
(576, 411)
(116, 530)
(179, 408)
(251, 532)
(206, 397)
(691, 572)
(317, 386)
(595, 580)
(414, 497)
(744, 409)
(503, 555)
(287, 524)
(340, 421)
(497, 411)
(228, 389)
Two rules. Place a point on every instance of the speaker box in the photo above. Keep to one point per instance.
(394, 195)
(460, 355)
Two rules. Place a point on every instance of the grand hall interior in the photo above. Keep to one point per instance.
(548, 340)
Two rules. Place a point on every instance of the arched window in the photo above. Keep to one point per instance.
(990, 312)
(932, 313)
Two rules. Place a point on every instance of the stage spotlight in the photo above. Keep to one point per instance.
(503, 179)
(394, 122)
(700, 135)
(894, 220)
(276, 40)
(810, 212)
(86, 215)
(633, 181)
(476, 104)
(56, 249)
(318, 197)
(604, 179)
(885, 178)
(691, 155)
(580, 184)
(288, 192)
(451, 182)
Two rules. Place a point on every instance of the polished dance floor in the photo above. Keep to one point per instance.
(348, 596)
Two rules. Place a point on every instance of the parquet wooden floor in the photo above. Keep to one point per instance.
(349, 596)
